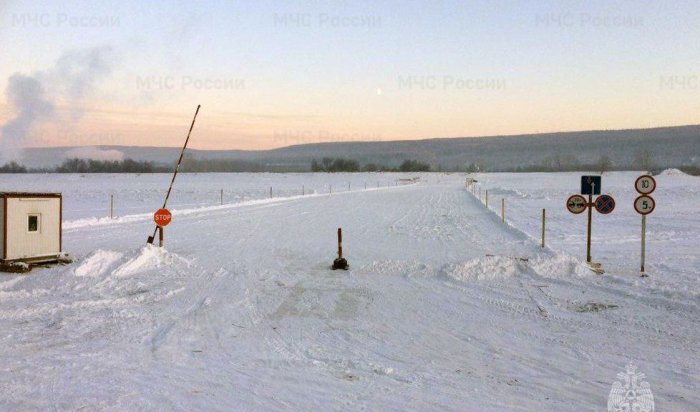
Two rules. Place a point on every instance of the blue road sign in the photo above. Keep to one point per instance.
(590, 185)
(605, 204)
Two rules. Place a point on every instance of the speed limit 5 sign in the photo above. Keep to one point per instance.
(644, 204)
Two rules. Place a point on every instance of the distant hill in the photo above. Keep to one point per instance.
(664, 147)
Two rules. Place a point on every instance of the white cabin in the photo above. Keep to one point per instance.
(30, 228)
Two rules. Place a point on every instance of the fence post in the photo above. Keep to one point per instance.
(222, 197)
(270, 192)
(303, 190)
(111, 206)
(503, 210)
(544, 224)
(487, 199)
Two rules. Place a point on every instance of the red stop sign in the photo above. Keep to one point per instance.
(162, 217)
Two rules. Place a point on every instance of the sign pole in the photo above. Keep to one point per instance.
(161, 236)
(590, 218)
(644, 240)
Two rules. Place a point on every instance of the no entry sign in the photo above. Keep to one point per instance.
(645, 185)
(162, 217)
(605, 204)
(644, 204)
(576, 204)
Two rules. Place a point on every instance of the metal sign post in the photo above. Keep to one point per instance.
(577, 204)
(644, 241)
(644, 205)
(590, 225)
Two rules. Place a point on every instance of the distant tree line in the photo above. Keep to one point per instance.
(333, 165)
(189, 165)
(109, 166)
(91, 166)
(193, 165)
(13, 167)
(568, 163)
(555, 163)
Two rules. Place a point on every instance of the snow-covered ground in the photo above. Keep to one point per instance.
(444, 307)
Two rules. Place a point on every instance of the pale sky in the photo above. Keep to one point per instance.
(276, 73)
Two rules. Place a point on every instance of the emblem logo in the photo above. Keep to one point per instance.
(630, 392)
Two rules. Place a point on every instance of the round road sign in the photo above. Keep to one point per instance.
(576, 204)
(605, 204)
(162, 217)
(645, 184)
(644, 204)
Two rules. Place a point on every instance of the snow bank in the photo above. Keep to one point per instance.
(504, 267)
(672, 172)
(560, 266)
(149, 257)
(98, 263)
(488, 268)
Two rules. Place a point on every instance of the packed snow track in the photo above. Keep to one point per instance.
(444, 308)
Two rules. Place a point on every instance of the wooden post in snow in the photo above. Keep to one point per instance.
(111, 206)
(487, 199)
(222, 197)
(503, 210)
(340, 262)
(544, 224)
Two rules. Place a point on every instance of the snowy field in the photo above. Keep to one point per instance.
(444, 307)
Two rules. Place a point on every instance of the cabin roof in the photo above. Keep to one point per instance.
(28, 194)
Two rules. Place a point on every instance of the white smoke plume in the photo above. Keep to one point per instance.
(28, 98)
(34, 97)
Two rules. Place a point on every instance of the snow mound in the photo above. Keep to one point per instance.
(149, 257)
(504, 267)
(672, 172)
(98, 263)
(559, 266)
(488, 268)
(101, 221)
(392, 267)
